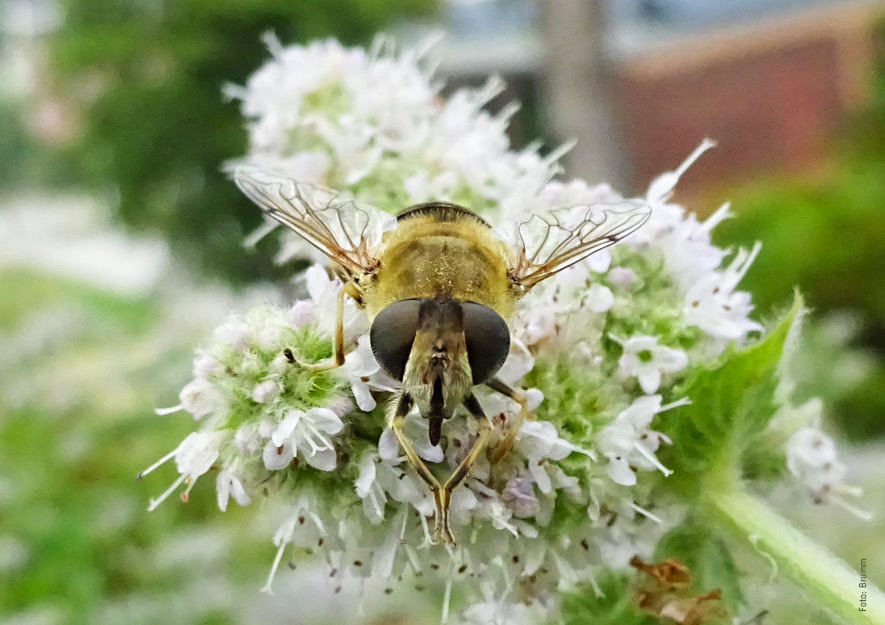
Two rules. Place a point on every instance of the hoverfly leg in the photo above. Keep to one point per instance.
(462, 470)
(396, 422)
(519, 397)
(338, 358)
(441, 531)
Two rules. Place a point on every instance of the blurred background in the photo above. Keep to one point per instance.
(120, 244)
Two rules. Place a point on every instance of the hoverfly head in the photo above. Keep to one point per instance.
(421, 342)
(439, 348)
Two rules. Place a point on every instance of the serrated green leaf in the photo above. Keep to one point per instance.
(581, 605)
(731, 404)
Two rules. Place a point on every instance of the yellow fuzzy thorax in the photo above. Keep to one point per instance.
(426, 256)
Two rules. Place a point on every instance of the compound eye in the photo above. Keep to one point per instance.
(392, 334)
(488, 340)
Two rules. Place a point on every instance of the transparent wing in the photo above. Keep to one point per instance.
(544, 245)
(347, 232)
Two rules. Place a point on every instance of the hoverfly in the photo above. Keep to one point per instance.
(438, 287)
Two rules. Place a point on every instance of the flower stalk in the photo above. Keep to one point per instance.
(824, 578)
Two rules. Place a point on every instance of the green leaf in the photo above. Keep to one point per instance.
(731, 404)
(707, 558)
(581, 605)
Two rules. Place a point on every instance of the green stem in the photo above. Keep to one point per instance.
(826, 579)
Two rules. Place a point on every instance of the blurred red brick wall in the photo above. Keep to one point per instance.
(769, 95)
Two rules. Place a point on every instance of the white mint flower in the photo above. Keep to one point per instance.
(365, 374)
(519, 362)
(715, 307)
(248, 440)
(377, 480)
(303, 528)
(301, 313)
(234, 334)
(201, 398)
(306, 432)
(373, 495)
(599, 298)
(662, 186)
(647, 361)
(812, 459)
(205, 365)
(622, 276)
(685, 244)
(629, 440)
(519, 495)
(193, 457)
(538, 441)
(574, 287)
(266, 391)
(229, 485)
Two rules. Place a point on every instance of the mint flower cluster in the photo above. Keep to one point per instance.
(613, 353)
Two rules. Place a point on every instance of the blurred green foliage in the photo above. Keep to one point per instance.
(77, 545)
(146, 80)
(17, 149)
(824, 232)
(825, 235)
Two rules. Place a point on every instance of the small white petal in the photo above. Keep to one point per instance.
(366, 476)
(622, 276)
(222, 488)
(325, 420)
(238, 492)
(671, 360)
(266, 391)
(430, 453)
(324, 460)
(649, 380)
(534, 398)
(276, 458)
(600, 298)
(200, 398)
(197, 453)
(620, 472)
(301, 313)
(318, 282)
(388, 446)
(162, 412)
(519, 362)
(541, 478)
(228, 485)
(600, 261)
(363, 396)
(286, 427)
